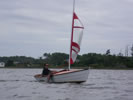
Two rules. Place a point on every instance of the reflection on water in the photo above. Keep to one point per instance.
(101, 85)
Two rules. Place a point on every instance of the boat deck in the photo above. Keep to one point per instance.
(67, 71)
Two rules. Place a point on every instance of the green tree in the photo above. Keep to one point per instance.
(58, 58)
(132, 51)
(9, 63)
(108, 52)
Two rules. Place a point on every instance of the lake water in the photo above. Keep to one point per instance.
(19, 84)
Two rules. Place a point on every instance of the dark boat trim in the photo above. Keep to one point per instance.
(68, 82)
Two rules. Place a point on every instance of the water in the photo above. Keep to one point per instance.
(19, 84)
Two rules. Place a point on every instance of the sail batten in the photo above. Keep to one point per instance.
(78, 27)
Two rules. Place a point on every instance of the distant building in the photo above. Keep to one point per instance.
(2, 64)
(16, 62)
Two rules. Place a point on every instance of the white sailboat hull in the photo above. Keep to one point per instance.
(79, 75)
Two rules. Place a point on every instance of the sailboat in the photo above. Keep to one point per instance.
(71, 75)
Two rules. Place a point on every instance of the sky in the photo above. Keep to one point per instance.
(34, 27)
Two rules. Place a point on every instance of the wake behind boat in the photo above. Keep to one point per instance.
(70, 75)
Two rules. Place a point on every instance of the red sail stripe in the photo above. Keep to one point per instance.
(75, 16)
(71, 61)
(76, 45)
(75, 51)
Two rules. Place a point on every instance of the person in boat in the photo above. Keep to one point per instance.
(47, 73)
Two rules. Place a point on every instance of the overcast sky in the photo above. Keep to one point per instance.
(34, 27)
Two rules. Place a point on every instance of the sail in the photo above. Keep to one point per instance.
(76, 37)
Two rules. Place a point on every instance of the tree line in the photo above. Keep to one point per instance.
(58, 59)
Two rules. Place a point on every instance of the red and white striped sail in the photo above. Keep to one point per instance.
(76, 37)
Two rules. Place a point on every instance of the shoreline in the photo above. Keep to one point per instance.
(66, 68)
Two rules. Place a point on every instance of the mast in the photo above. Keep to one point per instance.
(71, 35)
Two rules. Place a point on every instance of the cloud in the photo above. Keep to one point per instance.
(31, 27)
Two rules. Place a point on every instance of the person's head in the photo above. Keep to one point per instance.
(46, 65)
